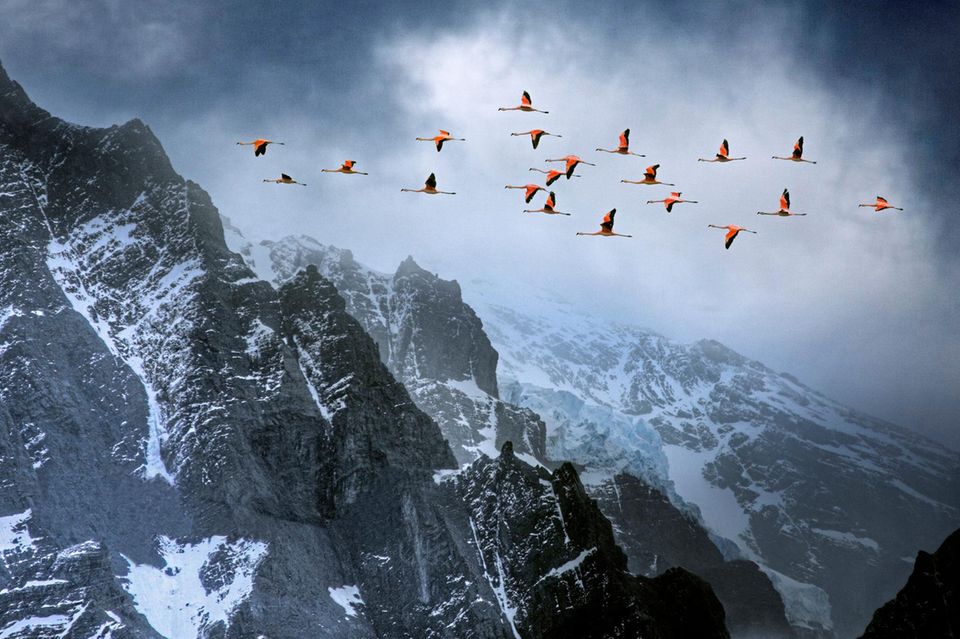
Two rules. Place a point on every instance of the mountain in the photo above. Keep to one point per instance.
(818, 497)
(190, 451)
(415, 311)
(828, 501)
(929, 603)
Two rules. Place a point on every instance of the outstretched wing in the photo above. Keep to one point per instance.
(607, 225)
(260, 149)
(531, 191)
(551, 201)
(625, 139)
(670, 203)
(348, 165)
(731, 236)
(553, 176)
(431, 181)
(439, 143)
(651, 172)
(798, 148)
(724, 149)
(444, 133)
(535, 136)
(785, 200)
(284, 176)
(882, 201)
(525, 99)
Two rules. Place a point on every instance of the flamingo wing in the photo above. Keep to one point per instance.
(531, 191)
(439, 141)
(285, 177)
(625, 139)
(444, 133)
(651, 172)
(431, 182)
(535, 136)
(785, 200)
(525, 99)
(724, 149)
(553, 176)
(798, 148)
(730, 237)
(260, 148)
(551, 201)
(669, 204)
(882, 201)
(607, 225)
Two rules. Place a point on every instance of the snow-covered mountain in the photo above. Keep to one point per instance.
(828, 500)
(189, 451)
(825, 499)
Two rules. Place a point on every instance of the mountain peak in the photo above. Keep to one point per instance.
(409, 266)
(16, 108)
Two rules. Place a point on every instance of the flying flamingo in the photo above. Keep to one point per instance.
(285, 179)
(881, 204)
(797, 155)
(531, 190)
(732, 232)
(548, 206)
(670, 201)
(346, 167)
(429, 187)
(649, 177)
(606, 227)
(723, 155)
(440, 139)
(526, 104)
(536, 134)
(624, 148)
(552, 176)
(572, 162)
(784, 206)
(259, 145)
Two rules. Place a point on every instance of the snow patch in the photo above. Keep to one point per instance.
(174, 598)
(13, 531)
(807, 605)
(348, 598)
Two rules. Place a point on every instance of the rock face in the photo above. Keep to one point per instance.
(929, 603)
(428, 337)
(188, 451)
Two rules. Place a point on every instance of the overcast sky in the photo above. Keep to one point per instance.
(861, 305)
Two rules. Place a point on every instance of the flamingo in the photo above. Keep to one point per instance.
(531, 190)
(784, 206)
(285, 179)
(536, 134)
(732, 232)
(572, 162)
(670, 201)
(624, 148)
(552, 176)
(649, 177)
(881, 204)
(259, 145)
(548, 206)
(429, 187)
(723, 155)
(346, 167)
(606, 227)
(440, 139)
(797, 155)
(526, 104)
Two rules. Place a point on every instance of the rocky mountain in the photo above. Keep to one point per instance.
(825, 499)
(792, 487)
(929, 604)
(189, 451)
(414, 311)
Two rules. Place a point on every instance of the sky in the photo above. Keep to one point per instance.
(860, 305)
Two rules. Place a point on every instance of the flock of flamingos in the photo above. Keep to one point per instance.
(571, 164)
